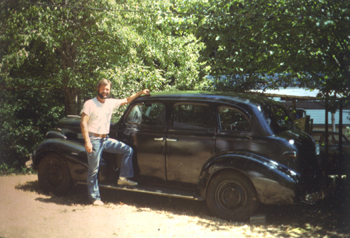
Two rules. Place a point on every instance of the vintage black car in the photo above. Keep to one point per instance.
(232, 150)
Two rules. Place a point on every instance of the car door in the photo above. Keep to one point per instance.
(190, 141)
(233, 131)
(145, 129)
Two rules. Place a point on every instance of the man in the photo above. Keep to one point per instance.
(95, 123)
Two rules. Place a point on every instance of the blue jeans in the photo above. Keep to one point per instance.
(112, 146)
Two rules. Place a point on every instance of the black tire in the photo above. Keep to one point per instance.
(231, 196)
(53, 175)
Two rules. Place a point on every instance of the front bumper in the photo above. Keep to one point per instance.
(29, 163)
(319, 195)
(314, 197)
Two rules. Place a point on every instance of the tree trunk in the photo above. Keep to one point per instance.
(67, 52)
(70, 101)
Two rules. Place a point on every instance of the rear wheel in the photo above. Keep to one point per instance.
(232, 196)
(53, 175)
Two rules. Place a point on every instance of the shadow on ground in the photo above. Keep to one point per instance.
(328, 218)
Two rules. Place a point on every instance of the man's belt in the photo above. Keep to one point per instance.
(98, 135)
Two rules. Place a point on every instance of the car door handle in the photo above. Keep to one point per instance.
(159, 138)
(167, 139)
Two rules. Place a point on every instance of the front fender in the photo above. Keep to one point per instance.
(72, 151)
(274, 183)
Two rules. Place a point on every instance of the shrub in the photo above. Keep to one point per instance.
(24, 119)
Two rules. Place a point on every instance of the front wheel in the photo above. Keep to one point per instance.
(232, 196)
(53, 175)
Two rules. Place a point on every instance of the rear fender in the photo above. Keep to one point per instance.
(73, 152)
(273, 183)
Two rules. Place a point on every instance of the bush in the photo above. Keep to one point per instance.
(6, 169)
(24, 120)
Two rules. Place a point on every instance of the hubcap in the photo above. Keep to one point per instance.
(230, 196)
(53, 174)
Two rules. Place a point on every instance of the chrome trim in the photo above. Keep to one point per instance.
(314, 197)
(317, 148)
(292, 154)
(29, 163)
(60, 130)
(335, 176)
(142, 189)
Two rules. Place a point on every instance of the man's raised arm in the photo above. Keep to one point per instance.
(136, 95)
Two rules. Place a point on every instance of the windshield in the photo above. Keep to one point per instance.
(277, 117)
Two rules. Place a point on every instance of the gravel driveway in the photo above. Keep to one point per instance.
(26, 212)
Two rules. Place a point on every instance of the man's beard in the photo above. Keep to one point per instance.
(103, 96)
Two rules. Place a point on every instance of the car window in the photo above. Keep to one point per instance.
(277, 117)
(135, 115)
(232, 120)
(147, 114)
(192, 116)
(153, 114)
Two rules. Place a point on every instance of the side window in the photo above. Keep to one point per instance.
(153, 114)
(192, 116)
(135, 115)
(232, 120)
(147, 114)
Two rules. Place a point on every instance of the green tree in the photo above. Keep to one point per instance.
(55, 51)
(54, 33)
(25, 117)
(160, 58)
(79, 41)
(305, 40)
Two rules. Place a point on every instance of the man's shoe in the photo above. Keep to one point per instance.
(127, 182)
(98, 203)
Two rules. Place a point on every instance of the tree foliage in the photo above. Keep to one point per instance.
(25, 117)
(158, 57)
(303, 42)
(55, 52)
(81, 41)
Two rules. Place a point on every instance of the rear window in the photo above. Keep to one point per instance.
(192, 116)
(232, 120)
(277, 117)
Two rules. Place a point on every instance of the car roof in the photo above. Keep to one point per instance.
(227, 97)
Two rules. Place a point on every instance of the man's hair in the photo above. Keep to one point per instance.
(103, 82)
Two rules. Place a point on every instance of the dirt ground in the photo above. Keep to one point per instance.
(26, 212)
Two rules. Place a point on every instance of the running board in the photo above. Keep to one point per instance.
(168, 192)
